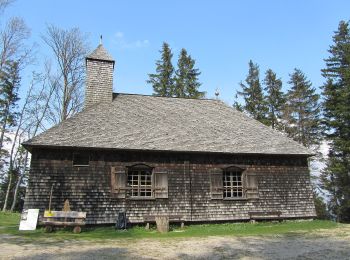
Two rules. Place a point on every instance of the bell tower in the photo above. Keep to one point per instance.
(99, 82)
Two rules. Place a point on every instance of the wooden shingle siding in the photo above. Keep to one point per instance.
(283, 184)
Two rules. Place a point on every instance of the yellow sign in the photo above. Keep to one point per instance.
(48, 213)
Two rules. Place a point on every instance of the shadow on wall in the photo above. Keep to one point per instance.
(279, 247)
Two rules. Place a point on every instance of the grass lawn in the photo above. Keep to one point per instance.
(9, 225)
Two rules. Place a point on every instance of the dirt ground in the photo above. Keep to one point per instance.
(325, 244)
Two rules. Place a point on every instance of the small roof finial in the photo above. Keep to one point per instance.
(101, 39)
(217, 93)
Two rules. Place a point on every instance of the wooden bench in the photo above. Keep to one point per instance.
(264, 215)
(172, 219)
(74, 219)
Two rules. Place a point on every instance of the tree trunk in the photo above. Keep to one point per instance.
(7, 191)
(20, 178)
(14, 201)
(64, 100)
(3, 128)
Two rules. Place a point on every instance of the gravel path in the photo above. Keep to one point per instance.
(326, 244)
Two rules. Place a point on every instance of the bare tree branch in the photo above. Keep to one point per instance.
(12, 42)
(4, 4)
(69, 48)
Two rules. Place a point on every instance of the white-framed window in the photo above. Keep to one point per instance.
(140, 182)
(232, 183)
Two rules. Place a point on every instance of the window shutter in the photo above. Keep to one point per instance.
(118, 181)
(216, 183)
(251, 183)
(160, 184)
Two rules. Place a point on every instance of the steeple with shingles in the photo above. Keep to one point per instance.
(99, 82)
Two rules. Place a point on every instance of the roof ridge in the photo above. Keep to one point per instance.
(156, 96)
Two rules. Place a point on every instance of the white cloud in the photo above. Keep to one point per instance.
(119, 35)
(120, 41)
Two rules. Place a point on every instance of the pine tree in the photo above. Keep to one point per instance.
(320, 207)
(9, 83)
(186, 78)
(275, 99)
(163, 80)
(253, 95)
(302, 110)
(238, 105)
(336, 111)
(181, 75)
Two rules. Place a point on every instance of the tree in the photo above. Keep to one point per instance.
(181, 75)
(321, 207)
(252, 93)
(14, 56)
(12, 43)
(302, 110)
(336, 120)
(186, 78)
(275, 99)
(30, 120)
(69, 48)
(163, 80)
(4, 4)
(9, 84)
(238, 106)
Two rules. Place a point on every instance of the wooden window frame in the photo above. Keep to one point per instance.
(138, 187)
(234, 184)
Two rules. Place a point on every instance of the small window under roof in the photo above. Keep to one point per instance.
(81, 159)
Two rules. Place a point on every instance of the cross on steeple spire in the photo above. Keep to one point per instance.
(101, 39)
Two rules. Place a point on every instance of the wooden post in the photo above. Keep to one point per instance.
(162, 224)
(50, 198)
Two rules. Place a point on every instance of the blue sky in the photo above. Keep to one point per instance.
(222, 36)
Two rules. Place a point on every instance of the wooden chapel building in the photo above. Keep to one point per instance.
(149, 155)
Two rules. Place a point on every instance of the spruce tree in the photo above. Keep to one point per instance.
(163, 80)
(302, 110)
(275, 99)
(252, 93)
(238, 105)
(186, 78)
(181, 75)
(9, 84)
(336, 112)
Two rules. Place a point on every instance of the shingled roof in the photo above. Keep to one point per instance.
(100, 53)
(167, 124)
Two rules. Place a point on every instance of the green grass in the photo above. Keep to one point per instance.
(9, 219)
(9, 225)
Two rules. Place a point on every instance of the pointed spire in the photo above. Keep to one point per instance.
(100, 53)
